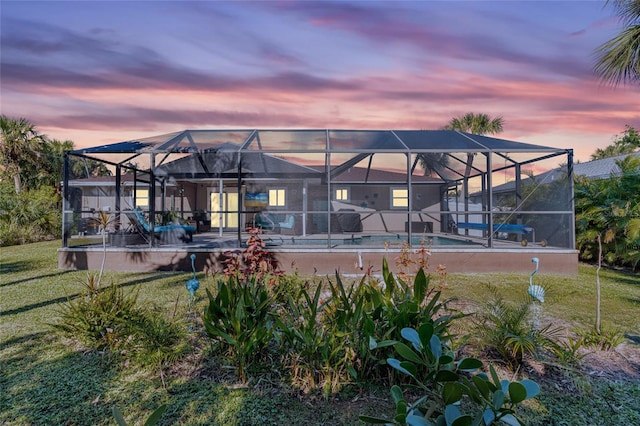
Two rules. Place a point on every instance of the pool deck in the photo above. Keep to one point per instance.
(504, 256)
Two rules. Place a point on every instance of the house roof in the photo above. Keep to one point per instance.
(595, 169)
(600, 169)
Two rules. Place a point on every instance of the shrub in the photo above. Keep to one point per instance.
(604, 340)
(328, 336)
(508, 329)
(100, 319)
(107, 319)
(317, 351)
(238, 318)
(31, 216)
(158, 341)
(446, 382)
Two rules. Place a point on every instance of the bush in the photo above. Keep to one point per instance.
(239, 318)
(106, 319)
(100, 319)
(31, 216)
(509, 329)
(445, 384)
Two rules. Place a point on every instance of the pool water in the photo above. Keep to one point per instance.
(392, 240)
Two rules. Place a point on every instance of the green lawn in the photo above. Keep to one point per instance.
(46, 381)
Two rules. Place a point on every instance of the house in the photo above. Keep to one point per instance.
(330, 188)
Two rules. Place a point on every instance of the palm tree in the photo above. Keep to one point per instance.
(618, 60)
(478, 124)
(20, 147)
(625, 144)
(608, 213)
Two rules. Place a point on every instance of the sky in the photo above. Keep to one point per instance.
(101, 72)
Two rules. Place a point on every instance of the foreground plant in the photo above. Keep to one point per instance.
(508, 329)
(152, 420)
(238, 319)
(454, 392)
(98, 318)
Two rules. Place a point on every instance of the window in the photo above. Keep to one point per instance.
(342, 194)
(142, 198)
(399, 197)
(277, 197)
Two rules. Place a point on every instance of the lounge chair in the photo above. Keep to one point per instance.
(264, 221)
(288, 226)
(172, 233)
(508, 228)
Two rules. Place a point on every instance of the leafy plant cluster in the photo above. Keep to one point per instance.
(454, 392)
(510, 329)
(109, 320)
(30, 176)
(608, 216)
(322, 331)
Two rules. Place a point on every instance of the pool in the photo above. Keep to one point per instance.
(391, 240)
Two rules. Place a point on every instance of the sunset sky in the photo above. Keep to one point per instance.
(101, 72)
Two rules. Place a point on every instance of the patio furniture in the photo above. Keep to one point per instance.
(264, 221)
(171, 234)
(508, 228)
(288, 226)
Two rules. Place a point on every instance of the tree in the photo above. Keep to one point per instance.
(618, 60)
(625, 144)
(610, 207)
(84, 168)
(50, 172)
(608, 219)
(20, 149)
(478, 124)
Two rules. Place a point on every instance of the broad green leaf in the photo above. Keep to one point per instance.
(411, 335)
(488, 416)
(156, 415)
(425, 331)
(415, 420)
(469, 364)
(517, 392)
(463, 421)
(504, 385)
(445, 360)
(410, 367)
(436, 346)
(401, 411)
(396, 394)
(118, 416)
(451, 393)
(494, 377)
(498, 399)
(510, 420)
(532, 388)
(396, 364)
(446, 376)
(451, 413)
(420, 286)
(406, 352)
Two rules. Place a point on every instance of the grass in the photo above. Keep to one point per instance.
(45, 380)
